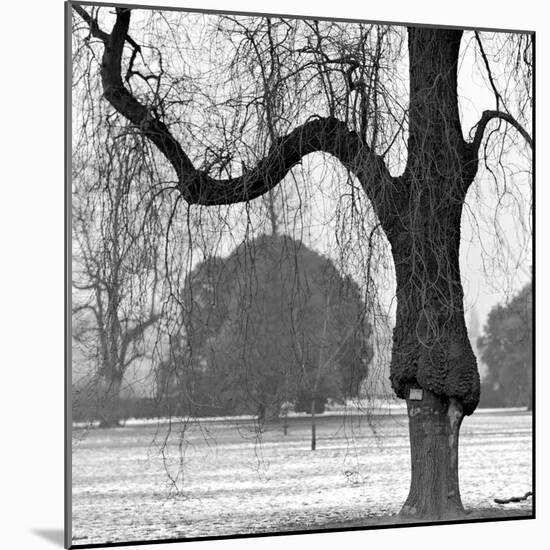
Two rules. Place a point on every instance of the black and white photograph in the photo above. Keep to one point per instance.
(273, 274)
(270, 274)
(301, 274)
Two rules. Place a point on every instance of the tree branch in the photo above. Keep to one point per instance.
(135, 333)
(328, 135)
(97, 32)
(498, 97)
(486, 117)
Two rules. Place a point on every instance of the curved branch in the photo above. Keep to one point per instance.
(486, 117)
(328, 135)
(96, 32)
(92, 23)
(136, 332)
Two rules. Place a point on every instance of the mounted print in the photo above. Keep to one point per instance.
(300, 290)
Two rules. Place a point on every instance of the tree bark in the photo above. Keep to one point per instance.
(431, 349)
(434, 425)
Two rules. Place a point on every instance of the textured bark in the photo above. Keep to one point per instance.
(430, 342)
(434, 425)
(431, 349)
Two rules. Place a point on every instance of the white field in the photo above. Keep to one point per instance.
(238, 481)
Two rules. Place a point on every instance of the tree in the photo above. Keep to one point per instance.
(115, 272)
(507, 346)
(265, 334)
(340, 91)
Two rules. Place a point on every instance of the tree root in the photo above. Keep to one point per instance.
(514, 499)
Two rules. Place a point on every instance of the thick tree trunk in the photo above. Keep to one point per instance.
(432, 353)
(434, 424)
(431, 349)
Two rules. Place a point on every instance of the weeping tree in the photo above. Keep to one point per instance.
(115, 268)
(238, 105)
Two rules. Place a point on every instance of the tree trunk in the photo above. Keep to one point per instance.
(109, 403)
(434, 424)
(431, 349)
(313, 426)
(261, 414)
(432, 354)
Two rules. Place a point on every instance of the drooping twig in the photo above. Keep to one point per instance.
(498, 97)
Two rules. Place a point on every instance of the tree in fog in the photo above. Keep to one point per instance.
(115, 270)
(237, 105)
(507, 345)
(289, 329)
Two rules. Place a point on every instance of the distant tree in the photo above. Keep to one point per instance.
(507, 346)
(206, 306)
(275, 322)
(115, 268)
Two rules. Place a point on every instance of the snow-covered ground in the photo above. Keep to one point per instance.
(229, 479)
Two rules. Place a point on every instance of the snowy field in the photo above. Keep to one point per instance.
(228, 479)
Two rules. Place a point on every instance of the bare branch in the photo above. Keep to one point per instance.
(498, 97)
(486, 117)
(92, 23)
(328, 135)
(137, 332)
(97, 32)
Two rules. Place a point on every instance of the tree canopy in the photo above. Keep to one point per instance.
(507, 345)
(273, 322)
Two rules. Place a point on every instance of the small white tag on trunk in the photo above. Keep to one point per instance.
(415, 394)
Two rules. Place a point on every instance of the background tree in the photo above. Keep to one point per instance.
(507, 346)
(255, 361)
(386, 116)
(115, 268)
